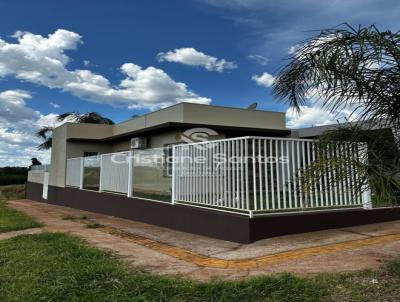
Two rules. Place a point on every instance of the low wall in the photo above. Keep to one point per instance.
(205, 222)
(36, 176)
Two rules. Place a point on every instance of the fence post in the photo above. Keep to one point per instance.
(130, 173)
(173, 174)
(82, 172)
(366, 191)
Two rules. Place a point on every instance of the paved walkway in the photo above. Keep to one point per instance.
(167, 251)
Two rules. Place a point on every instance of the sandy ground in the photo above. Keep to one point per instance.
(164, 251)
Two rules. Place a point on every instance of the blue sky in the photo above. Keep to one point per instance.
(122, 58)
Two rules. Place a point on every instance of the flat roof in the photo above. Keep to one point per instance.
(182, 115)
(178, 126)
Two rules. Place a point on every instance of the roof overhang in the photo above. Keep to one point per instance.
(169, 126)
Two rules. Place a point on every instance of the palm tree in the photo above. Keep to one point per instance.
(357, 68)
(90, 118)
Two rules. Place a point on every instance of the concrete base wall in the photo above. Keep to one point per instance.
(205, 222)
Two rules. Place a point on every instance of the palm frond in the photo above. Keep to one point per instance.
(346, 66)
(46, 145)
(44, 132)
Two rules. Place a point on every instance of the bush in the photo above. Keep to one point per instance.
(13, 175)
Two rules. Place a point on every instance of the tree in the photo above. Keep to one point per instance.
(356, 69)
(90, 118)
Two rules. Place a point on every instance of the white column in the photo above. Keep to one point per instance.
(366, 191)
(82, 170)
(130, 173)
(45, 185)
(174, 163)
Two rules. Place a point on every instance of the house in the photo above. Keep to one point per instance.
(124, 170)
(160, 128)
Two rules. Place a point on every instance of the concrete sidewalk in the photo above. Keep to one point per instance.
(166, 251)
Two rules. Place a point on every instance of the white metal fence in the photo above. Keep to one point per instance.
(116, 172)
(257, 174)
(74, 172)
(249, 175)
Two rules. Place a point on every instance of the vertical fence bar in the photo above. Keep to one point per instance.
(233, 145)
(247, 176)
(321, 193)
(309, 163)
(242, 175)
(237, 167)
(272, 180)
(225, 152)
(329, 173)
(298, 174)
(356, 179)
(284, 205)
(288, 174)
(342, 171)
(306, 195)
(229, 174)
(267, 199)
(294, 175)
(278, 188)
(254, 175)
(260, 175)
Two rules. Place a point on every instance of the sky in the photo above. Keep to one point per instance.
(125, 58)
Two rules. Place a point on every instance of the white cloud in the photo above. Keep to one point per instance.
(54, 105)
(259, 59)
(193, 57)
(18, 124)
(264, 79)
(42, 60)
(292, 49)
(313, 114)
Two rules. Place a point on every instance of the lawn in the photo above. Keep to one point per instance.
(10, 219)
(58, 267)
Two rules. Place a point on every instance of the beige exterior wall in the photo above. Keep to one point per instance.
(170, 114)
(225, 116)
(62, 150)
(58, 156)
(92, 131)
(77, 149)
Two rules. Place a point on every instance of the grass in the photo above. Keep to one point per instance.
(72, 217)
(10, 219)
(94, 226)
(57, 267)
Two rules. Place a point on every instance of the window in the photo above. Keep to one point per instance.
(90, 153)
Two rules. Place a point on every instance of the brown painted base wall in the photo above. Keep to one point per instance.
(214, 224)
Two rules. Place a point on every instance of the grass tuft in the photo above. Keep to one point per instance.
(94, 226)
